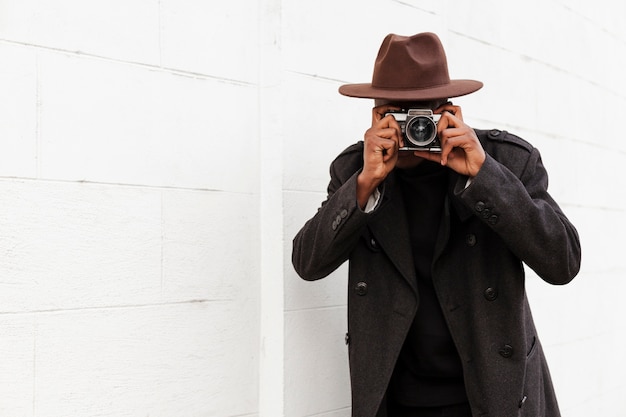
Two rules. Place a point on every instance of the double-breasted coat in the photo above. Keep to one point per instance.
(504, 218)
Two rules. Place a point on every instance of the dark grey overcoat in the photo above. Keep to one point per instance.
(503, 218)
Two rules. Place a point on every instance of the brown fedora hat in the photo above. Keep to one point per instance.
(411, 68)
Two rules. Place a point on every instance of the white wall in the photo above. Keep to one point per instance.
(129, 229)
(157, 157)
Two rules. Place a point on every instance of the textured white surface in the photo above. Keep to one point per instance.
(157, 157)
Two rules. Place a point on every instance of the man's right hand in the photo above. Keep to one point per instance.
(380, 152)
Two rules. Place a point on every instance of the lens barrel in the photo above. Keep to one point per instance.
(421, 130)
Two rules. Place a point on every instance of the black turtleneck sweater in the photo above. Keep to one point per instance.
(428, 372)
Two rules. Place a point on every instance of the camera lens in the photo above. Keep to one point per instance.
(421, 130)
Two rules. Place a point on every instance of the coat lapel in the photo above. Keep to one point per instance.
(390, 229)
(451, 205)
(444, 227)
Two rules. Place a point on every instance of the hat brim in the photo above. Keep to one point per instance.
(455, 88)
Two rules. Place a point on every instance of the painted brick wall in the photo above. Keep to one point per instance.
(129, 229)
(157, 157)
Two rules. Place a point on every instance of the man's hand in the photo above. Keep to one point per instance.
(380, 152)
(461, 150)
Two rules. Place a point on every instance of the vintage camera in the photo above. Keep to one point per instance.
(419, 129)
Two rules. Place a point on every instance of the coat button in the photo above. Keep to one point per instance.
(506, 351)
(344, 213)
(491, 294)
(485, 213)
(335, 225)
(470, 239)
(347, 338)
(494, 132)
(372, 244)
(493, 220)
(361, 288)
(480, 206)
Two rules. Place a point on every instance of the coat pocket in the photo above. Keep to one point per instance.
(532, 394)
(533, 348)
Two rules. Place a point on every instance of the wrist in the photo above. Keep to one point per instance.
(364, 189)
(477, 166)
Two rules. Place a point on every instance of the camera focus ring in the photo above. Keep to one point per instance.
(421, 130)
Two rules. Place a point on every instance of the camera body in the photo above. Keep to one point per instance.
(419, 129)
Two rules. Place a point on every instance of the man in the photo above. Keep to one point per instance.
(438, 320)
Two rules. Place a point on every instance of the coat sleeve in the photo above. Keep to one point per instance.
(518, 207)
(326, 240)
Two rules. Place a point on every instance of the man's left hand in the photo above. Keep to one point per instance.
(461, 150)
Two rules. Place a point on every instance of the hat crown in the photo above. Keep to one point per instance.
(413, 62)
